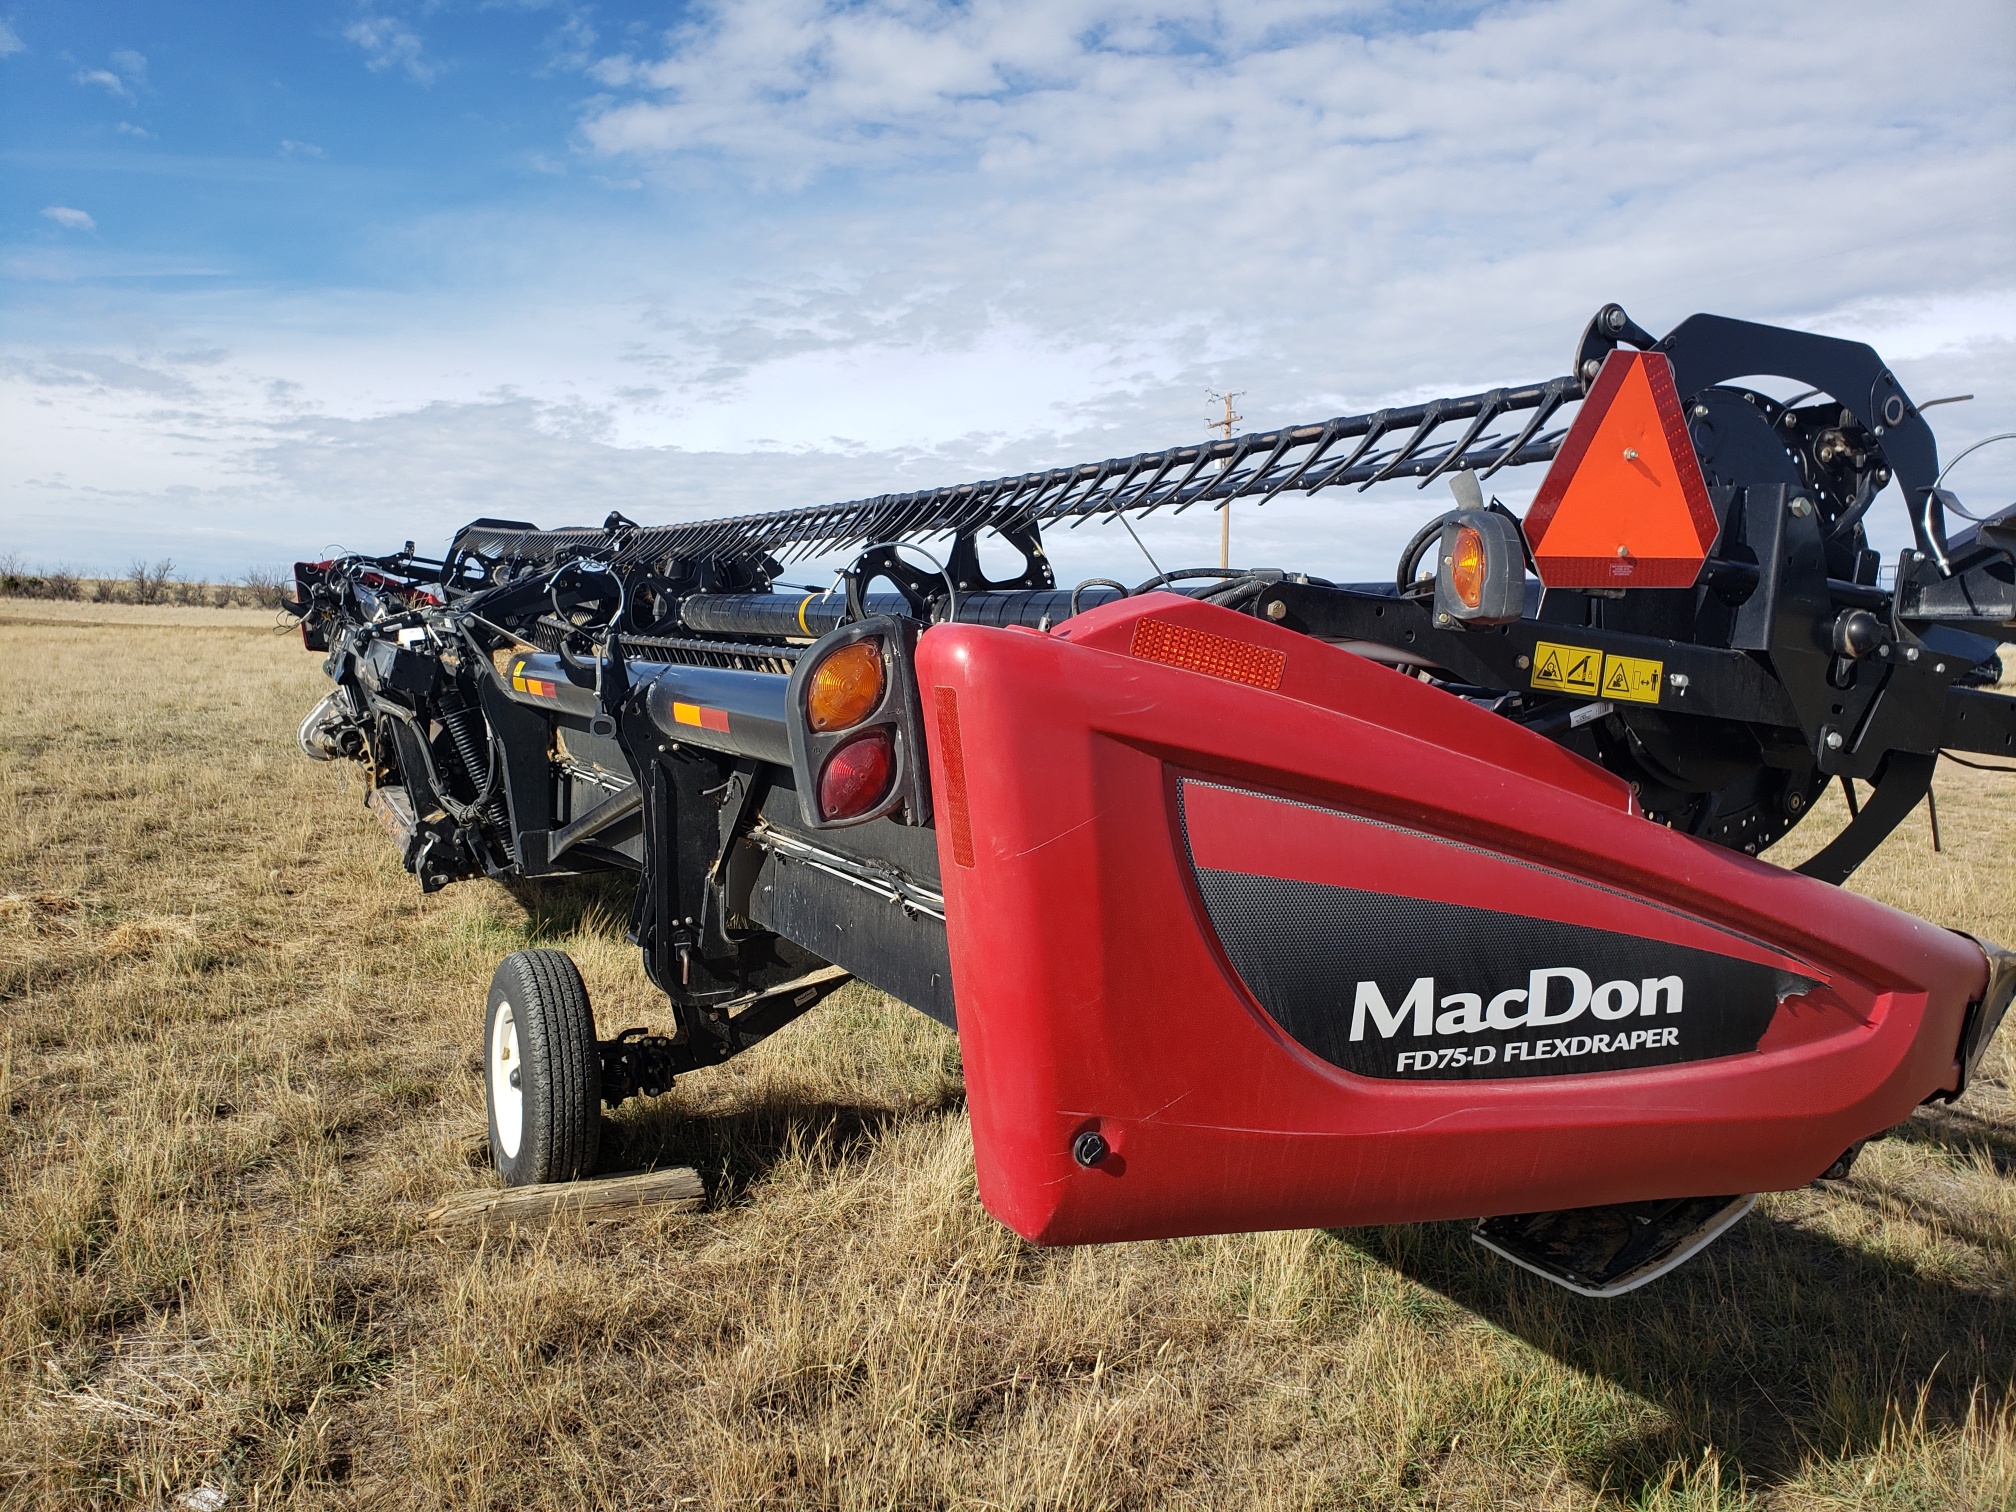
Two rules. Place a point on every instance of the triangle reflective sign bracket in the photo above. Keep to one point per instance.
(1624, 504)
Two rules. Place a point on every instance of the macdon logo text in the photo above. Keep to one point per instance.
(1552, 995)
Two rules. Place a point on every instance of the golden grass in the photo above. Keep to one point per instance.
(236, 1058)
(25, 611)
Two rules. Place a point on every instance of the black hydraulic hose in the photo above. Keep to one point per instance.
(1120, 588)
(1410, 558)
(461, 813)
(1190, 572)
(486, 794)
(1243, 589)
(466, 729)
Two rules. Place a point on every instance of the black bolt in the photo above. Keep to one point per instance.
(514, 1076)
(1089, 1148)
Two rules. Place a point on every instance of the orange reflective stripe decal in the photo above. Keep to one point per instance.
(700, 717)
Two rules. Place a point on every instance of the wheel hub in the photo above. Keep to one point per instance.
(507, 1099)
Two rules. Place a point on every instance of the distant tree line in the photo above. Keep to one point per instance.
(144, 583)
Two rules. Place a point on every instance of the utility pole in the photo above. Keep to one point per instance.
(1224, 426)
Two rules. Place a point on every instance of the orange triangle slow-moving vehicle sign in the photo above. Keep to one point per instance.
(1624, 504)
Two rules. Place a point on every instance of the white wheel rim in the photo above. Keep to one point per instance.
(507, 1103)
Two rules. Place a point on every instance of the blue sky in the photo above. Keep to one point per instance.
(275, 278)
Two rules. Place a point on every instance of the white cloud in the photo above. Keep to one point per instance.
(129, 70)
(291, 148)
(97, 372)
(390, 43)
(891, 244)
(10, 40)
(69, 219)
(1328, 215)
(105, 79)
(1290, 144)
(572, 45)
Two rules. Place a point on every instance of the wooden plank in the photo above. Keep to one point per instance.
(677, 1187)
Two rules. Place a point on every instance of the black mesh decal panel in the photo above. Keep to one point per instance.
(1392, 986)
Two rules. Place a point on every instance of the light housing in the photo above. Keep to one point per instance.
(1480, 570)
(856, 727)
(846, 685)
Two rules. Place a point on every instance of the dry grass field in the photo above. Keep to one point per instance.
(237, 1062)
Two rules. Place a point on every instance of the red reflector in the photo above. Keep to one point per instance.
(856, 776)
(1213, 655)
(1624, 504)
(958, 822)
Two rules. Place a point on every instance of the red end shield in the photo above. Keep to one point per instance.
(1624, 504)
(1307, 942)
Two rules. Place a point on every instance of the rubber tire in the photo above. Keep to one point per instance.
(560, 1069)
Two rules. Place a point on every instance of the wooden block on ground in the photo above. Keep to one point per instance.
(603, 1197)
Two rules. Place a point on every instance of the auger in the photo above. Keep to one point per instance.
(1258, 901)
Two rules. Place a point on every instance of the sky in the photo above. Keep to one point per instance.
(342, 273)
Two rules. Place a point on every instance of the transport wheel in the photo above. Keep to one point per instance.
(542, 1074)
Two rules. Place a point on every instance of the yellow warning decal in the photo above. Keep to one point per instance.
(1634, 679)
(1568, 669)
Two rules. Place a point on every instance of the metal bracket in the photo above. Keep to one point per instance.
(1607, 328)
(1901, 786)
(740, 805)
(918, 588)
(963, 565)
(1607, 1251)
(637, 1063)
(1712, 349)
(1985, 1013)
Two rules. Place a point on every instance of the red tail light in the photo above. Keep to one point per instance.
(856, 776)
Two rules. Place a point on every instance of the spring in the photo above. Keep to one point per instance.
(467, 730)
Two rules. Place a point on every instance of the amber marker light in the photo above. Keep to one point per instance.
(1467, 566)
(845, 687)
(856, 776)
